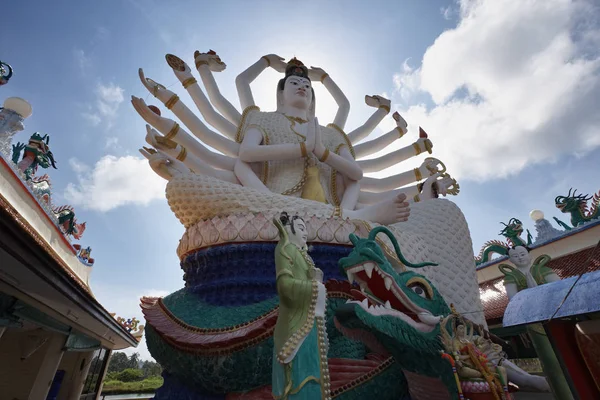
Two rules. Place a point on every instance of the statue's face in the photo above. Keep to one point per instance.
(519, 256)
(460, 331)
(300, 234)
(297, 92)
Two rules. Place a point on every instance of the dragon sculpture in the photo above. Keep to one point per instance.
(404, 315)
(35, 154)
(67, 221)
(512, 232)
(576, 205)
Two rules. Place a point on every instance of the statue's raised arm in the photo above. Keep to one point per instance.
(206, 64)
(383, 108)
(243, 80)
(184, 74)
(202, 132)
(380, 143)
(176, 133)
(316, 73)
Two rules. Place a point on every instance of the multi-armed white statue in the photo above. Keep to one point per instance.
(259, 163)
(287, 151)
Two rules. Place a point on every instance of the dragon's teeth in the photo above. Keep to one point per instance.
(388, 282)
(350, 276)
(369, 269)
(388, 305)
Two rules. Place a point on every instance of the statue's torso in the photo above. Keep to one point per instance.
(288, 177)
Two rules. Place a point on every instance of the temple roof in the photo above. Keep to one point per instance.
(560, 299)
(493, 295)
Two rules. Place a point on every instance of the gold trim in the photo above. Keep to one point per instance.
(182, 154)
(172, 101)
(247, 110)
(323, 78)
(341, 131)
(417, 148)
(386, 108)
(325, 155)
(418, 175)
(267, 60)
(200, 63)
(400, 132)
(333, 181)
(168, 143)
(189, 82)
(418, 279)
(173, 132)
(416, 198)
(303, 149)
(293, 121)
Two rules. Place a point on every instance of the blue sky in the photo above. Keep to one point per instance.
(508, 94)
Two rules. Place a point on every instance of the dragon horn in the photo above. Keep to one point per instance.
(390, 235)
(569, 194)
(504, 224)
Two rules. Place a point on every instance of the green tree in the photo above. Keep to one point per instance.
(151, 368)
(118, 362)
(134, 361)
(130, 375)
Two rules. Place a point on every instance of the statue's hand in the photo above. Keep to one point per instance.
(160, 123)
(319, 148)
(400, 122)
(211, 58)
(316, 74)
(276, 62)
(155, 88)
(165, 166)
(425, 144)
(180, 68)
(378, 101)
(430, 166)
(311, 133)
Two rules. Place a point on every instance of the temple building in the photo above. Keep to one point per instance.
(55, 337)
(572, 324)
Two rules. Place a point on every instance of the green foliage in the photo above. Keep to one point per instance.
(151, 368)
(130, 375)
(147, 385)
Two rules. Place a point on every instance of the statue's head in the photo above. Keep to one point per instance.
(295, 228)
(519, 255)
(295, 89)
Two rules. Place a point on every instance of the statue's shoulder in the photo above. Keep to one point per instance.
(334, 138)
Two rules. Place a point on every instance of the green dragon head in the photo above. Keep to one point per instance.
(400, 312)
(512, 230)
(571, 202)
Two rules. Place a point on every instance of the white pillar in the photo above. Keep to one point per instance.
(48, 367)
(80, 378)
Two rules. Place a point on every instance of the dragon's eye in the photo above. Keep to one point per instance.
(421, 287)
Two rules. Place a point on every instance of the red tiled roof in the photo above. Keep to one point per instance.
(493, 295)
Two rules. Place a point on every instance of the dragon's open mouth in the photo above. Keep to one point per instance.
(380, 295)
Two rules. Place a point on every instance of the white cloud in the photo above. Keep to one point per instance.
(108, 99)
(114, 182)
(112, 142)
(514, 83)
(82, 59)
